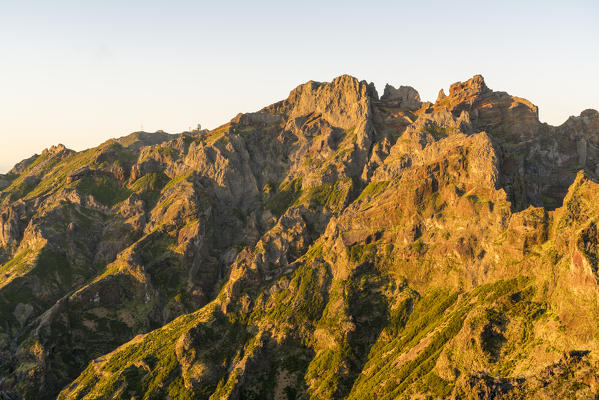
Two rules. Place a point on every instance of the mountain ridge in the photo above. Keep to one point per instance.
(331, 245)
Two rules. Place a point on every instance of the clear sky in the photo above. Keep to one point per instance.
(80, 72)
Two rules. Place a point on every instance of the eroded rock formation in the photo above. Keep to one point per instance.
(332, 245)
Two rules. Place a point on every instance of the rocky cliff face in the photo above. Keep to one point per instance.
(332, 245)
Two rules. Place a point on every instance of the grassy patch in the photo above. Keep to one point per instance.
(360, 253)
(149, 186)
(104, 189)
(176, 180)
(373, 189)
(287, 194)
(16, 265)
(332, 195)
(438, 132)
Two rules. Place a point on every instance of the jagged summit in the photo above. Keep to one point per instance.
(405, 96)
(590, 114)
(333, 245)
(474, 85)
(55, 150)
(343, 102)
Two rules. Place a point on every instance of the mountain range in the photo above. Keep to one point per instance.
(337, 244)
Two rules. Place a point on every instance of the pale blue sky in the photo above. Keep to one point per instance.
(80, 72)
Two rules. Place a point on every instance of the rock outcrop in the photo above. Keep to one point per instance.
(404, 97)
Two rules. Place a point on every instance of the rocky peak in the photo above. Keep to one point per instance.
(344, 102)
(405, 96)
(474, 85)
(590, 114)
(585, 125)
(441, 95)
(506, 117)
(55, 150)
(463, 93)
